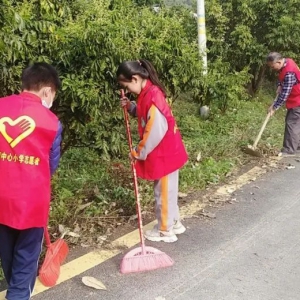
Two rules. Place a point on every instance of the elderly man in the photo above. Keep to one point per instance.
(288, 93)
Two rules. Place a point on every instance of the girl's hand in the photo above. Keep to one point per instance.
(124, 102)
(131, 157)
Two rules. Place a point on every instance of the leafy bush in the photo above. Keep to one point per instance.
(86, 40)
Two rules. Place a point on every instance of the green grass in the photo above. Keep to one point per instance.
(221, 137)
(88, 188)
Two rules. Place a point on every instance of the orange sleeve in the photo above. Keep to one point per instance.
(155, 130)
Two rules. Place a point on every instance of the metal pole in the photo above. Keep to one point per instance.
(202, 33)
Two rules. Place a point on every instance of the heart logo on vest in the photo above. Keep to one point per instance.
(14, 131)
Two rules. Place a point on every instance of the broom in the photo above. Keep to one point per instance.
(55, 256)
(143, 258)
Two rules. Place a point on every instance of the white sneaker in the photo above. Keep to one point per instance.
(178, 228)
(156, 235)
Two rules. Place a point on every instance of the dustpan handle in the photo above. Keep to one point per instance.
(47, 237)
(136, 190)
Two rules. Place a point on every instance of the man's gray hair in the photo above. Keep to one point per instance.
(274, 57)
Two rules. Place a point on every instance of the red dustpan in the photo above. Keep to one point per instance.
(143, 258)
(55, 256)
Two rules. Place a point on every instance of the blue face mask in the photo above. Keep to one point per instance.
(46, 105)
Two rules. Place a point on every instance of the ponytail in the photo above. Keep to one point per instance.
(153, 75)
(141, 67)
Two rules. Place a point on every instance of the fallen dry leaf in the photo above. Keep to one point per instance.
(96, 190)
(61, 229)
(182, 195)
(208, 214)
(132, 218)
(93, 282)
(83, 206)
(77, 228)
(102, 238)
(290, 167)
(73, 234)
(230, 190)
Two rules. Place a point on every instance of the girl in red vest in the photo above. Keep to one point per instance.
(160, 153)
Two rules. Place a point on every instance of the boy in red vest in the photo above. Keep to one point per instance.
(288, 92)
(30, 137)
(160, 153)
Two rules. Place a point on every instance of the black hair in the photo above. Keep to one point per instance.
(274, 57)
(141, 67)
(39, 75)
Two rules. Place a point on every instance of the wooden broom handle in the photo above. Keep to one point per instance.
(127, 122)
(135, 181)
(261, 130)
(263, 126)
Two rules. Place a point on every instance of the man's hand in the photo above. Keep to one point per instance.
(271, 110)
(278, 91)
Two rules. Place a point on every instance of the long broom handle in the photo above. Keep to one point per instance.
(136, 190)
(261, 130)
(263, 127)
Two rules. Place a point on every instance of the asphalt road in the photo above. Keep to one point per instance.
(249, 252)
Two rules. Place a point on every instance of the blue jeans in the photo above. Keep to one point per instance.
(19, 252)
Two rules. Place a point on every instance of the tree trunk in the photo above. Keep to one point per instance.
(257, 80)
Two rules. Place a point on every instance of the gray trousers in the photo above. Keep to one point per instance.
(292, 130)
(166, 201)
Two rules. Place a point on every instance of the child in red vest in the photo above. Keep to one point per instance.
(30, 137)
(160, 153)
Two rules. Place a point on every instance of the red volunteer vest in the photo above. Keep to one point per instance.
(294, 97)
(170, 155)
(27, 131)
